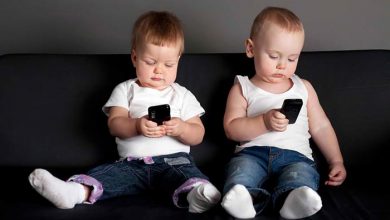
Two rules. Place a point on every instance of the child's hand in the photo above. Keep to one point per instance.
(150, 128)
(275, 121)
(337, 174)
(174, 127)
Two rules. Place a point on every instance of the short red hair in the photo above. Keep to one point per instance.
(158, 28)
(282, 17)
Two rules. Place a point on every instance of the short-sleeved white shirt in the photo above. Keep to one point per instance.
(136, 100)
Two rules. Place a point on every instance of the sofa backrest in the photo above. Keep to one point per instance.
(51, 104)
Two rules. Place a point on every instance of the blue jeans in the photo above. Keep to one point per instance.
(173, 174)
(253, 166)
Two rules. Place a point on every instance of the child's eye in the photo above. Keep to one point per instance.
(150, 62)
(273, 57)
(292, 60)
(169, 65)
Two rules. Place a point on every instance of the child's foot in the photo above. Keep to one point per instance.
(203, 197)
(300, 203)
(238, 202)
(64, 195)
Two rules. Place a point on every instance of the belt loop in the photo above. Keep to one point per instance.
(148, 160)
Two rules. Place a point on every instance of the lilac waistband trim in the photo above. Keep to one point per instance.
(186, 187)
(97, 188)
(147, 160)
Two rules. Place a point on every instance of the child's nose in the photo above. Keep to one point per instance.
(158, 69)
(281, 65)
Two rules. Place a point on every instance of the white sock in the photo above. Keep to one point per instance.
(64, 195)
(300, 203)
(203, 197)
(238, 202)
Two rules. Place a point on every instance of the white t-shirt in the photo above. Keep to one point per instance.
(136, 99)
(296, 136)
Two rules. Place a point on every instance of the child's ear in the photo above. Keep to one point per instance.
(133, 56)
(249, 48)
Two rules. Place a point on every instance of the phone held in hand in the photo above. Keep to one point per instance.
(159, 113)
(291, 109)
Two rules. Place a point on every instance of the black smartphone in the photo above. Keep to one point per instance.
(291, 109)
(159, 113)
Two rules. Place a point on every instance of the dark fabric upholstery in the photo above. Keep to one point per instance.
(51, 118)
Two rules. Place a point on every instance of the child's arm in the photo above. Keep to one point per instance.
(239, 127)
(325, 138)
(189, 132)
(122, 126)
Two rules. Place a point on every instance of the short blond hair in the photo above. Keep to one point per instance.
(282, 17)
(158, 28)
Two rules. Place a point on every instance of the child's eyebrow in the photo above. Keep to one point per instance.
(272, 51)
(294, 55)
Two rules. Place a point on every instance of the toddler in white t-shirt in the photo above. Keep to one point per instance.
(151, 155)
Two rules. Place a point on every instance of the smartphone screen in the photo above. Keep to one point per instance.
(291, 109)
(159, 113)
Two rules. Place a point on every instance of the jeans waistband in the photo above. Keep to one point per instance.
(151, 160)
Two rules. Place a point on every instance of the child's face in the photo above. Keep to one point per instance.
(275, 53)
(156, 66)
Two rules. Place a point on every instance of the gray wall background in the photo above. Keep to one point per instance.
(211, 26)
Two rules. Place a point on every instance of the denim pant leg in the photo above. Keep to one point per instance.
(178, 175)
(295, 170)
(115, 179)
(249, 168)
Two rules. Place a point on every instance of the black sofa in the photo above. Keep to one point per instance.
(51, 118)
